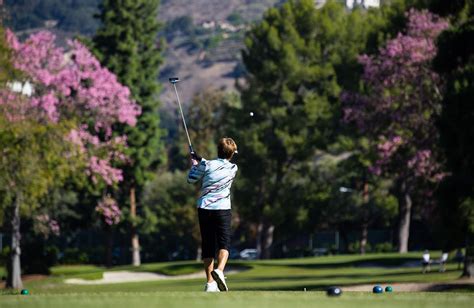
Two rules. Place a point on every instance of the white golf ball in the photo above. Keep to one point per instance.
(251, 114)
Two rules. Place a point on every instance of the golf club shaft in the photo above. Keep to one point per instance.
(182, 117)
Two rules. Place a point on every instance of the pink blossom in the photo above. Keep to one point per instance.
(72, 85)
(102, 168)
(45, 225)
(401, 100)
(109, 210)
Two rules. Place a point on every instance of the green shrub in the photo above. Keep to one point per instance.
(74, 256)
(354, 247)
(384, 247)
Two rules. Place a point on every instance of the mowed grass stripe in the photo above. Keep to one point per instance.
(278, 275)
(271, 299)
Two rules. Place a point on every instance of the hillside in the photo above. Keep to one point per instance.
(204, 10)
(206, 53)
(203, 37)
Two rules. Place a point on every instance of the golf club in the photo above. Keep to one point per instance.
(173, 81)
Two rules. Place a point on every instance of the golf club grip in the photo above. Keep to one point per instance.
(191, 150)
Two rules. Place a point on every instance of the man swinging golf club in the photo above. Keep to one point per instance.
(213, 204)
(214, 209)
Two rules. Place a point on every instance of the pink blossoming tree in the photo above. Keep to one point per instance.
(72, 85)
(109, 210)
(398, 110)
(110, 214)
(46, 226)
(73, 92)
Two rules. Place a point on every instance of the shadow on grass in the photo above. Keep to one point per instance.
(465, 287)
(439, 287)
(336, 276)
(369, 262)
(190, 268)
(308, 282)
(324, 286)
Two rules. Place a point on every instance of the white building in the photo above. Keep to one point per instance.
(319, 3)
(350, 3)
(365, 3)
(25, 88)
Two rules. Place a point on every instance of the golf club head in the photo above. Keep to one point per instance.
(174, 79)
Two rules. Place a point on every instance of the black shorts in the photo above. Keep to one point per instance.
(215, 230)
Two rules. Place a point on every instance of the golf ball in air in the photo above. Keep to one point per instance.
(251, 114)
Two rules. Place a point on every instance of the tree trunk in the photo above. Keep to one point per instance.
(109, 246)
(133, 232)
(468, 270)
(363, 238)
(365, 225)
(259, 239)
(404, 209)
(264, 239)
(14, 273)
(199, 253)
(267, 241)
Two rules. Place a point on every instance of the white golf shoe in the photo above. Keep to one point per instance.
(211, 287)
(218, 276)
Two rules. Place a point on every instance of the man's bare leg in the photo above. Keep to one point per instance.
(209, 267)
(222, 258)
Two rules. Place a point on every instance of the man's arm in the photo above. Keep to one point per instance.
(197, 171)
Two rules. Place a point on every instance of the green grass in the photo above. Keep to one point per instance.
(92, 272)
(283, 275)
(262, 285)
(260, 299)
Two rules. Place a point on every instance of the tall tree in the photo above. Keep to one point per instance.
(455, 63)
(127, 44)
(33, 161)
(399, 109)
(298, 59)
(291, 91)
(63, 122)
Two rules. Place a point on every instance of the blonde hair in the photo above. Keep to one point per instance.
(226, 148)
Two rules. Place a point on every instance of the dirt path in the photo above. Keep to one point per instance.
(416, 287)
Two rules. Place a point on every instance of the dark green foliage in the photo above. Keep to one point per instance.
(169, 224)
(235, 19)
(292, 91)
(127, 44)
(451, 7)
(298, 59)
(455, 62)
(6, 67)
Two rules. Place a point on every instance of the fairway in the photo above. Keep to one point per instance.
(267, 283)
(261, 299)
(314, 274)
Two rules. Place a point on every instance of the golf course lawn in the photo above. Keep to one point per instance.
(269, 283)
(273, 299)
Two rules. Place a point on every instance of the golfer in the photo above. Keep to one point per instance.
(214, 209)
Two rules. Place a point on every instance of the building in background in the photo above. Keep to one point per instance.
(351, 3)
(365, 3)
